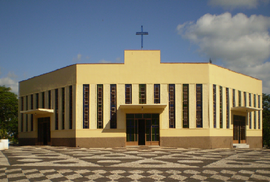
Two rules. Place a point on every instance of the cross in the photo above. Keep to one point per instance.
(142, 34)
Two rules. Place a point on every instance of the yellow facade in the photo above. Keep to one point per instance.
(141, 67)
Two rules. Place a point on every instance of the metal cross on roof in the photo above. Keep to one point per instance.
(142, 34)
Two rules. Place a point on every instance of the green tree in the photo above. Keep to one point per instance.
(8, 113)
(266, 119)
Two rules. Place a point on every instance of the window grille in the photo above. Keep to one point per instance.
(85, 106)
(157, 93)
(142, 93)
(113, 121)
(128, 93)
(199, 109)
(171, 105)
(99, 106)
(185, 106)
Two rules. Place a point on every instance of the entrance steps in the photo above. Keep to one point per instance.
(240, 145)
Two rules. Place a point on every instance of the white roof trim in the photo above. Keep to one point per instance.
(245, 109)
(143, 106)
(38, 111)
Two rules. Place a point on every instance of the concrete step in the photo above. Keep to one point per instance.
(240, 145)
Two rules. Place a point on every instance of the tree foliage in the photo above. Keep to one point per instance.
(266, 119)
(8, 113)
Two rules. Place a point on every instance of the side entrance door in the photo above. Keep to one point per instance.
(239, 129)
(44, 132)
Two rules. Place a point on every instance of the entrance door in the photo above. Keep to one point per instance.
(141, 128)
(44, 132)
(239, 129)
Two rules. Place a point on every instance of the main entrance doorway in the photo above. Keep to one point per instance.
(142, 129)
(44, 132)
(239, 129)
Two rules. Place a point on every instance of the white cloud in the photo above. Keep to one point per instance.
(78, 58)
(241, 43)
(232, 4)
(104, 61)
(10, 81)
(118, 60)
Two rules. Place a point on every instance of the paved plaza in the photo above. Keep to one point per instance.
(48, 163)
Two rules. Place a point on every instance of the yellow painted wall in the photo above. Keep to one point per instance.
(56, 79)
(231, 79)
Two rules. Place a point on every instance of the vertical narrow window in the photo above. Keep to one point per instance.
(22, 103)
(85, 106)
(227, 108)
(233, 98)
(70, 107)
(255, 117)
(254, 100)
(56, 109)
(21, 122)
(171, 105)
(32, 102)
(249, 99)
(156, 93)
(26, 116)
(50, 99)
(185, 106)
(142, 93)
(245, 99)
(26, 121)
(63, 108)
(37, 101)
(259, 101)
(113, 122)
(128, 93)
(32, 122)
(259, 112)
(220, 107)
(250, 123)
(199, 109)
(26, 103)
(43, 100)
(100, 106)
(214, 106)
(239, 98)
(259, 119)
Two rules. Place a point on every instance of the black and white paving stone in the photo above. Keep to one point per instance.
(49, 164)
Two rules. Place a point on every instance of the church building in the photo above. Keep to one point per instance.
(142, 101)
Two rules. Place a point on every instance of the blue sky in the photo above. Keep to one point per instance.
(37, 37)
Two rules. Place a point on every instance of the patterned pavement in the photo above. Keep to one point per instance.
(48, 163)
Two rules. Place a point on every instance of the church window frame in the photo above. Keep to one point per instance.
(185, 105)
(100, 106)
(199, 105)
(86, 106)
(171, 105)
(113, 106)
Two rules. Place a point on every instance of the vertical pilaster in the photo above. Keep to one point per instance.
(135, 93)
(192, 106)
(178, 106)
(93, 106)
(164, 100)
(106, 106)
(121, 117)
(149, 93)
(205, 105)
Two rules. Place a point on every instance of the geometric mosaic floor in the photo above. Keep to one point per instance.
(49, 163)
